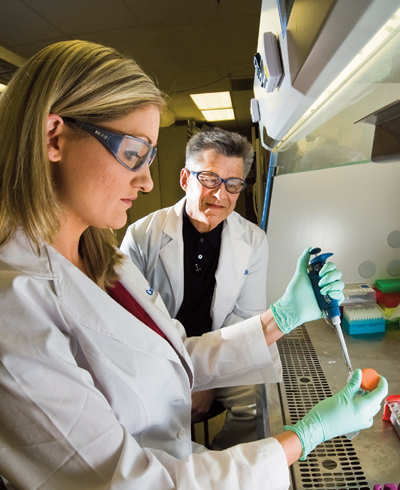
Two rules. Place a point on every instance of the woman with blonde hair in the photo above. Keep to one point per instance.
(95, 377)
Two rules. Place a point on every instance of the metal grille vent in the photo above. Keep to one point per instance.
(333, 464)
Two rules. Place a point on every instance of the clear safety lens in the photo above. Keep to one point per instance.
(135, 153)
(234, 185)
(211, 180)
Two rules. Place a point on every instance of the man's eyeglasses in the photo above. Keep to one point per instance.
(212, 180)
(133, 153)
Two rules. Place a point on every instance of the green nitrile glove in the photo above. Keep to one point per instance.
(330, 282)
(298, 304)
(340, 414)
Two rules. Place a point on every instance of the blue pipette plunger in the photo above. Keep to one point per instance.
(329, 306)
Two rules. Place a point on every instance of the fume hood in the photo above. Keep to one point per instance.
(341, 66)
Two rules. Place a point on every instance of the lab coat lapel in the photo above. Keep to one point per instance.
(154, 306)
(95, 309)
(233, 259)
(171, 253)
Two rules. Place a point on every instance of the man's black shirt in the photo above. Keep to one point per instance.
(201, 255)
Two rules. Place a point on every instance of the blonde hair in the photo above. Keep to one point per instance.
(75, 79)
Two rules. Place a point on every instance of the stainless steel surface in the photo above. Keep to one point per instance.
(378, 448)
(262, 415)
(333, 464)
(314, 369)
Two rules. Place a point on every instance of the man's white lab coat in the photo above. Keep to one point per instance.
(90, 397)
(155, 244)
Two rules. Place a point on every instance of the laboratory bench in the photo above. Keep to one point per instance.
(314, 368)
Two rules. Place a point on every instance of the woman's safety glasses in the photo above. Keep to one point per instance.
(212, 180)
(133, 153)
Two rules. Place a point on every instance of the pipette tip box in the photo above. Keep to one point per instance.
(357, 293)
(391, 412)
(362, 319)
(388, 285)
(389, 300)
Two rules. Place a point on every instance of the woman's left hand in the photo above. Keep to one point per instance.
(201, 403)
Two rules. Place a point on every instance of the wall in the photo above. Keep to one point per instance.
(349, 211)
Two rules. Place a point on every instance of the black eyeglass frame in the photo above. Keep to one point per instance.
(112, 142)
(221, 180)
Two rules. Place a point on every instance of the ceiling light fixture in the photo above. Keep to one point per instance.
(219, 115)
(216, 106)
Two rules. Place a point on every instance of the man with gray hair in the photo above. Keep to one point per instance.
(208, 263)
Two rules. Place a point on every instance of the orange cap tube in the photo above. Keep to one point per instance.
(370, 379)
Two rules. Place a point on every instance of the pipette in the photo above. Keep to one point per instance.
(329, 306)
(331, 311)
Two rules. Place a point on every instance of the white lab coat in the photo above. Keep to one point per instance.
(90, 397)
(155, 244)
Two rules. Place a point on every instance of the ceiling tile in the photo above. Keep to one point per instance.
(74, 17)
(175, 12)
(19, 24)
(188, 47)
(29, 49)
